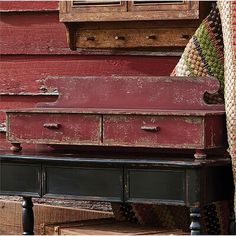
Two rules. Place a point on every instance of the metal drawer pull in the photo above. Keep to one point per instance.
(151, 36)
(90, 38)
(119, 38)
(51, 126)
(150, 128)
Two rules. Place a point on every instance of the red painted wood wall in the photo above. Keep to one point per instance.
(33, 45)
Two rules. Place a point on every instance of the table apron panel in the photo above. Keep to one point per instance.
(83, 182)
(153, 185)
(20, 179)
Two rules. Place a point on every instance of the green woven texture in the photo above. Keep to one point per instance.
(204, 54)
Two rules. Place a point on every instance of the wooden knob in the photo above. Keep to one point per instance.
(186, 36)
(90, 38)
(151, 37)
(51, 125)
(150, 128)
(119, 38)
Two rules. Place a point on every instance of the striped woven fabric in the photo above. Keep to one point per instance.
(204, 54)
(215, 217)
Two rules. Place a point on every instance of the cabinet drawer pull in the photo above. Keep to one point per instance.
(119, 38)
(90, 38)
(185, 36)
(51, 126)
(151, 37)
(150, 128)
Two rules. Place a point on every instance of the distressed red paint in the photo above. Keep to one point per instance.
(33, 46)
(124, 112)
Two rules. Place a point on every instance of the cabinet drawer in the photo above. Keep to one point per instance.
(133, 38)
(84, 182)
(44, 128)
(153, 131)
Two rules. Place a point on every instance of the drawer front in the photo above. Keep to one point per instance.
(54, 128)
(155, 186)
(22, 179)
(153, 131)
(133, 38)
(84, 183)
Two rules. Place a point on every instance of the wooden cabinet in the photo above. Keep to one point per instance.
(84, 11)
(131, 24)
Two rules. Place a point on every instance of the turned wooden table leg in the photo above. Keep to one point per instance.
(195, 225)
(27, 216)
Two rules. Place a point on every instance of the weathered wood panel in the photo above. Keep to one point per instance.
(106, 227)
(10, 216)
(28, 5)
(32, 33)
(46, 35)
(32, 28)
(11, 102)
(133, 92)
(55, 128)
(25, 74)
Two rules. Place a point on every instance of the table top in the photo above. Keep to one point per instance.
(144, 159)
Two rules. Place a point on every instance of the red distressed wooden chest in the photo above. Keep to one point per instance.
(151, 112)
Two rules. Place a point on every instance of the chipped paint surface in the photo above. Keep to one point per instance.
(72, 129)
(133, 111)
(133, 92)
(173, 131)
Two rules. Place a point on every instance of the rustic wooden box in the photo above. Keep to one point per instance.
(11, 216)
(131, 24)
(149, 112)
(104, 227)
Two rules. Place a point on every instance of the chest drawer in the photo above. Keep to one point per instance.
(133, 38)
(41, 128)
(153, 131)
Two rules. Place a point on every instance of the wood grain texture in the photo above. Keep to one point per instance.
(43, 35)
(9, 6)
(107, 227)
(133, 92)
(187, 10)
(22, 75)
(70, 129)
(46, 35)
(11, 222)
(25, 74)
(134, 38)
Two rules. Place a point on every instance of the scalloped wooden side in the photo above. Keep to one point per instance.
(132, 92)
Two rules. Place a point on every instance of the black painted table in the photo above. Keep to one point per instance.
(132, 179)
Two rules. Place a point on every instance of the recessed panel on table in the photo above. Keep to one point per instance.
(84, 182)
(156, 186)
(21, 179)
